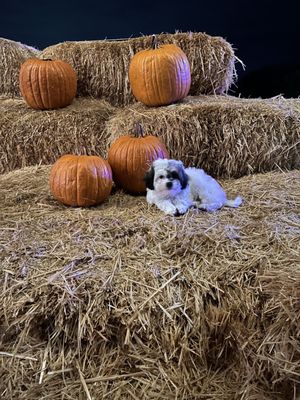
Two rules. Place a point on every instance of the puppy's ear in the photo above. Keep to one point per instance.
(183, 178)
(149, 179)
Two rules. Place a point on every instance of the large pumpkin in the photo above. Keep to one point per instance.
(80, 180)
(47, 84)
(160, 76)
(131, 156)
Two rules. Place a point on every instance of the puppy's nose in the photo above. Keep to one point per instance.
(169, 185)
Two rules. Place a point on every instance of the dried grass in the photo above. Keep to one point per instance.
(12, 55)
(29, 137)
(123, 302)
(225, 135)
(102, 65)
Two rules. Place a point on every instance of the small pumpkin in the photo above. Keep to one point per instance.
(80, 180)
(47, 84)
(131, 156)
(161, 75)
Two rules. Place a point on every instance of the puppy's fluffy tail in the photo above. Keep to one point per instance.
(234, 203)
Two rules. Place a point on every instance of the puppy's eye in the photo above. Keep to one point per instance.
(174, 175)
(161, 177)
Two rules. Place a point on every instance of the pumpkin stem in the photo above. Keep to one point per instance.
(154, 44)
(139, 131)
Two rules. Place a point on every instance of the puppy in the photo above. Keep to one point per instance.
(174, 189)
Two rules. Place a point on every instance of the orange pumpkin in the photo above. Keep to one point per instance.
(131, 156)
(47, 84)
(80, 180)
(160, 76)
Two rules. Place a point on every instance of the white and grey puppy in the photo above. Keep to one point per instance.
(174, 189)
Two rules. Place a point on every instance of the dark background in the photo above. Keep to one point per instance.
(265, 34)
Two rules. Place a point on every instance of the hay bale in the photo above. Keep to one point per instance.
(12, 55)
(29, 137)
(102, 65)
(121, 301)
(225, 135)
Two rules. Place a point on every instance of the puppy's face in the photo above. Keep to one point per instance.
(166, 177)
(167, 180)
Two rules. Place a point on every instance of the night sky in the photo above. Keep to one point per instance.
(265, 34)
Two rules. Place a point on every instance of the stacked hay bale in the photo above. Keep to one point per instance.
(102, 65)
(30, 137)
(225, 135)
(102, 69)
(120, 301)
(12, 55)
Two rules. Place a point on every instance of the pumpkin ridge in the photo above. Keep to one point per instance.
(185, 67)
(88, 179)
(171, 89)
(98, 176)
(104, 174)
(135, 160)
(157, 79)
(72, 180)
(117, 156)
(144, 75)
(178, 65)
(155, 151)
(136, 149)
(83, 175)
(108, 177)
(60, 86)
(62, 178)
(149, 81)
(77, 180)
(41, 86)
(95, 184)
(129, 160)
(56, 84)
(38, 101)
(44, 87)
(48, 85)
(148, 154)
(65, 193)
(182, 83)
(179, 82)
(30, 89)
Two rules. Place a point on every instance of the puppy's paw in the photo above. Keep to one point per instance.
(172, 211)
(169, 209)
(181, 209)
